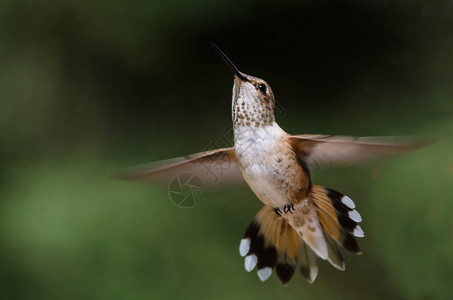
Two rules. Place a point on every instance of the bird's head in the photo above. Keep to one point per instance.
(253, 100)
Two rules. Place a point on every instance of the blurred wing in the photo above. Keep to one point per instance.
(212, 167)
(319, 151)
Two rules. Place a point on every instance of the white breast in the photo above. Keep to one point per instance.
(258, 151)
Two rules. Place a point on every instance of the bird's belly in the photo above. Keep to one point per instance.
(264, 184)
(273, 173)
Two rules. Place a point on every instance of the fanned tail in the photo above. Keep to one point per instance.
(270, 242)
(338, 217)
(318, 227)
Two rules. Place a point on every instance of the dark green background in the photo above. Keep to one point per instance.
(90, 87)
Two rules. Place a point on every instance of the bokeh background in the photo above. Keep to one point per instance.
(90, 87)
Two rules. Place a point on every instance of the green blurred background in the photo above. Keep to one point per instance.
(90, 87)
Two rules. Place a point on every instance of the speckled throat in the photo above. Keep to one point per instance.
(250, 109)
(250, 115)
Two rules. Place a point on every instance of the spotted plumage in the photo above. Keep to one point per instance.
(300, 221)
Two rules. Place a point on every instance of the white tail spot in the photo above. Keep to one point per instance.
(244, 247)
(348, 202)
(358, 232)
(313, 273)
(265, 273)
(250, 262)
(355, 216)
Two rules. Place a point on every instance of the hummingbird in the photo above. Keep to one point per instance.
(300, 222)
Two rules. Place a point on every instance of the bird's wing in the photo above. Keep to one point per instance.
(215, 167)
(318, 151)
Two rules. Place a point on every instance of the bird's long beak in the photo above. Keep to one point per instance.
(230, 65)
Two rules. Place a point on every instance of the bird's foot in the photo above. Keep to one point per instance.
(288, 208)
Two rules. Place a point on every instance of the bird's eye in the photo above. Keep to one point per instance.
(262, 88)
